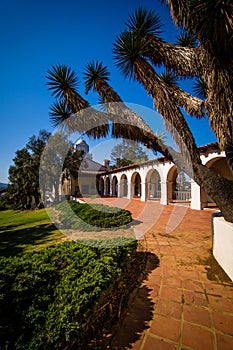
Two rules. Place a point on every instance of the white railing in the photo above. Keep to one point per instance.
(182, 195)
(155, 194)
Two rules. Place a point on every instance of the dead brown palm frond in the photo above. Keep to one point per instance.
(219, 106)
(192, 105)
(183, 60)
(180, 12)
(212, 22)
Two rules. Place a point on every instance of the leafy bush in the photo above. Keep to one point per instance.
(93, 217)
(52, 299)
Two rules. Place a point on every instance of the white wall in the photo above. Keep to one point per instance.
(223, 243)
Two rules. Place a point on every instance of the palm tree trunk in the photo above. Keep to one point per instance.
(214, 184)
(167, 107)
(218, 188)
(183, 60)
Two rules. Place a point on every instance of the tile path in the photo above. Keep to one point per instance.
(185, 302)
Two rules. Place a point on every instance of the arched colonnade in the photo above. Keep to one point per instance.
(160, 180)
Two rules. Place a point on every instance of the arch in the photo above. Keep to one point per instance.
(107, 186)
(101, 187)
(123, 186)
(114, 185)
(178, 186)
(136, 185)
(220, 166)
(153, 184)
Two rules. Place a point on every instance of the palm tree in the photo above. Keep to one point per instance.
(212, 25)
(186, 39)
(146, 25)
(125, 121)
(131, 54)
(129, 59)
(72, 111)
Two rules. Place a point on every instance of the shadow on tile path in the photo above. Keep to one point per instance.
(186, 303)
(137, 315)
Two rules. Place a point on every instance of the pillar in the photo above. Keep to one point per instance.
(163, 199)
(195, 196)
(143, 191)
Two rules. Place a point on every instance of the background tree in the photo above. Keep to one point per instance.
(59, 161)
(24, 191)
(127, 152)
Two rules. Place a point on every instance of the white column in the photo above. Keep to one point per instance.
(110, 189)
(163, 199)
(130, 190)
(143, 191)
(195, 196)
(119, 189)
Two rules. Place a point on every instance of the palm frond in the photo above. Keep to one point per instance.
(144, 22)
(186, 39)
(61, 79)
(126, 50)
(169, 77)
(59, 114)
(93, 72)
(200, 88)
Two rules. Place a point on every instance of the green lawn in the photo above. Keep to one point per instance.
(22, 231)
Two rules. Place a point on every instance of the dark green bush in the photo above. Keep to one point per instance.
(49, 299)
(93, 217)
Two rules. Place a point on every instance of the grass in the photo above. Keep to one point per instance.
(22, 231)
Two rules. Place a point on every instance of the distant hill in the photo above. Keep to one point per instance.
(2, 185)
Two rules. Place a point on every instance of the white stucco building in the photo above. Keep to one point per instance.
(158, 179)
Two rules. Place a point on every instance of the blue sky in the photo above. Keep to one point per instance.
(38, 34)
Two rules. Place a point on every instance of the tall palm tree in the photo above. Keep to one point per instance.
(212, 59)
(130, 57)
(211, 21)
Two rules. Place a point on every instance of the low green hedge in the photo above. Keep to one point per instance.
(56, 298)
(85, 217)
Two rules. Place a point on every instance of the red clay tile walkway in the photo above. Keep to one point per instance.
(185, 303)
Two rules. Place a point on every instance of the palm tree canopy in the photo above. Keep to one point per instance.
(95, 72)
(169, 77)
(144, 22)
(59, 114)
(126, 50)
(186, 39)
(200, 88)
(61, 80)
